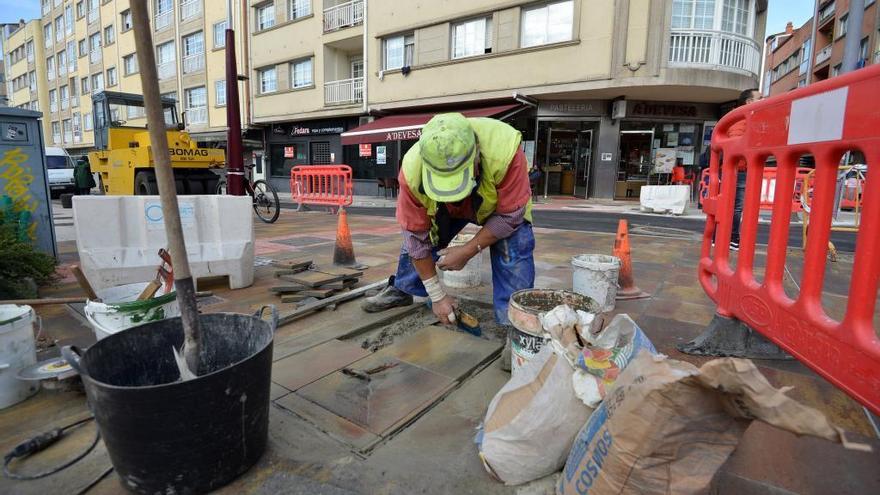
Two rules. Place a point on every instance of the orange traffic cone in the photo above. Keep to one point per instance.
(343, 253)
(627, 287)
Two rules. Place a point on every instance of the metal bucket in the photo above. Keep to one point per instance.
(166, 436)
(524, 311)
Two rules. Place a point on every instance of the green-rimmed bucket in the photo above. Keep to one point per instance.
(119, 309)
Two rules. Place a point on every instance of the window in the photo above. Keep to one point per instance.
(473, 37)
(196, 100)
(68, 19)
(125, 20)
(87, 121)
(97, 82)
(863, 52)
(59, 28)
(53, 100)
(71, 56)
(56, 133)
(129, 64)
(193, 52)
(842, 25)
(80, 9)
(29, 49)
(134, 112)
(220, 34)
(398, 51)
(550, 23)
(83, 48)
(268, 81)
(806, 53)
(357, 67)
(220, 93)
(95, 48)
(32, 79)
(62, 62)
(50, 68)
(47, 34)
(77, 127)
(299, 8)
(112, 77)
(693, 14)
(166, 60)
(47, 7)
(835, 71)
(65, 97)
(164, 12)
(190, 9)
(109, 35)
(265, 16)
(736, 16)
(84, 86)
(93, 11)
(301, 73)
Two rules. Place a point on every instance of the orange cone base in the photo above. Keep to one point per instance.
(631, 293)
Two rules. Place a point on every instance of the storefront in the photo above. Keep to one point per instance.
(610, 149)
(314, 142)
(375, 150)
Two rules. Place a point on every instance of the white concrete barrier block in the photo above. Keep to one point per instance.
(663, 199)
(118, 237)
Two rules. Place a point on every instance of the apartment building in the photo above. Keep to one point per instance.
(599, 88)
(788, 59)
(22, 53)
(81, 47)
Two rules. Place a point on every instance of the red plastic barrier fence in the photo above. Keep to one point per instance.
(768, 188)
(825, 119)
(328, 185)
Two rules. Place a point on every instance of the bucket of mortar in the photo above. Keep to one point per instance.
(595, 276)
(524, 311)
(120, 309)
(168, 436)
(472, 273)
(17, 351)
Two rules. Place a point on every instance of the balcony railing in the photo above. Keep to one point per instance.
(823, 55)
(193, 63)
(197, 115)
(163, 20)
(190, 8)
(714, 49)
(344, 91)
(167, 70)
(344, 15)
(827, 12)
(92, 16)
(95, 56)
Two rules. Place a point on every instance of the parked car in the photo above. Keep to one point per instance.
(60, 171)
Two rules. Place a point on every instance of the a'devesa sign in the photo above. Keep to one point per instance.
(186, 152)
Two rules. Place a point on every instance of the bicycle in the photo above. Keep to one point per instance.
(265, 198)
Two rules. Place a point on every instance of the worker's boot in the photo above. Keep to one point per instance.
(389, 297)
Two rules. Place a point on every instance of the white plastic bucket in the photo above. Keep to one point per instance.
(595, 276)
(17, 350)
(120, 309)
(472, 273)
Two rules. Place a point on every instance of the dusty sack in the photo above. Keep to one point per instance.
(666, 426)
(532, 421)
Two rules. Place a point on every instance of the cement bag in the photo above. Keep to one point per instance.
(605, 355)
(666, 426)
(532, 420)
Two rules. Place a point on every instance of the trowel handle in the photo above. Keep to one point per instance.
(274, 320)
(72, 355)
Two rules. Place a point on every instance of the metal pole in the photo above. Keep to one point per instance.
(814, 32)
(234, 160)
(853, 40)
(183, 280)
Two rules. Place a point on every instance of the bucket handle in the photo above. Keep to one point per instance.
(274, 321)
(72, 354)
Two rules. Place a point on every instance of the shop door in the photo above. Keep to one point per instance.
(636, 161)
(583, 163)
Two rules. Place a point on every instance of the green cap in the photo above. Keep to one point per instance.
(448, 148)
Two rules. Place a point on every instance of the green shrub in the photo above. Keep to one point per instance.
(22, 268)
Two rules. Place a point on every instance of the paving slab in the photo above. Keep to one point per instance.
(298, 370)
(333, 425)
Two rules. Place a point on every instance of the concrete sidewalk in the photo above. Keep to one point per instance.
(433, 452)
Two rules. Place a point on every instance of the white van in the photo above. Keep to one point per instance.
(60, 171)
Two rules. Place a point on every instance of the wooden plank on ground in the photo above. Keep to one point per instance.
(315, 279)
(297, 266)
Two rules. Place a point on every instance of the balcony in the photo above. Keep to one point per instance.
(193, 63)
(190, 9)
(197, 115)
(826, 13)
(343, 15)
(167, 70)
(92, 16)
(163, 20)
(823, 55)
(95, 56)
(344, 92)
(714, 50)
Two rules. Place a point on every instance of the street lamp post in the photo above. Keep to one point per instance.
(234, 163)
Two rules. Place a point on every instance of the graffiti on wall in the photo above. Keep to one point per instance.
(16, 183)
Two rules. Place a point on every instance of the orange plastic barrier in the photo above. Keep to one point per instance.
(825, 120)
(328, 185)
(768, 188)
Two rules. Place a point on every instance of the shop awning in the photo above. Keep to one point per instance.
(409, 126)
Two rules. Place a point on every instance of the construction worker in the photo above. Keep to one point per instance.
(82, 177)
(462, 171)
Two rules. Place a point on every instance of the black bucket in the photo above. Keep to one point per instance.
(166, 436)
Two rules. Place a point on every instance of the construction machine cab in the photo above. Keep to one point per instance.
(108, 108)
